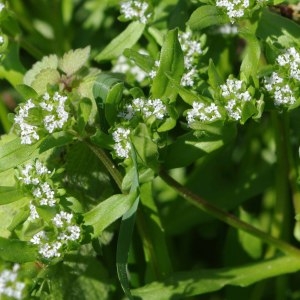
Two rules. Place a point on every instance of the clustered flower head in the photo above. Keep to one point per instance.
(283, 83)
(122, 144)
(9, 284)
(54, 115)
(66, 231)
(235, 9)
(35, 178)
(192, 50)
(146, 108)
(235, 96)
(136, 10)
(203, 113)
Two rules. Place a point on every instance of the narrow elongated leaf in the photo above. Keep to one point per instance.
(250, 61)
(17, 251)
(125, 39)
(152, 233)
(206, 16)
(126, 231)
(108, 211)
(183, 285)
(171, 63)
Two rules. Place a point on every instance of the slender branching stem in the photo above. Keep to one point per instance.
(227, 217)
(106, 161)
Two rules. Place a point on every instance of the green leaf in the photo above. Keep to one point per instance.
(108, 211)
(186, 94)
(104, 83)
(251, 60)
(125, 39)
(17, 251)
(74, 60)
(47, 62)
(187, 284)
(9, 194)
(108, 92)
(171, 65)
(273, 25)
(26, 91)
(214, 77)
(11, 68)
(205, 16)
(44, 78)
(145, 62)
(113, 99)
(13, 153)
(84, 112)
(188, 147)
(145, 148)
(126, 231)
(153, 238)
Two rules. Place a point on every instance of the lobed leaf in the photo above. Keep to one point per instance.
(74, 60)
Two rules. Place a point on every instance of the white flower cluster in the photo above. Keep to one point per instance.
(203, 113)
(281, 91)
(192, 49)
(235, 96)
(122, 145)
(153, 72)
(9, 285)
(35, 177)
(135, 10)
(290, 60)
(54, 117)
(66, 231)
(146, 107)
(235, 9)
(283, 83)
(1, 6)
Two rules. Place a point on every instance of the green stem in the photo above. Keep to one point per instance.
(111, 168)
(228, 218)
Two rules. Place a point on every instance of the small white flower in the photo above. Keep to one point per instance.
(33, 212)
(28, 132)
(50, 250)
(203, 113)
(122, 145)
(1, 6)
(235, 96)
(9, 285)
(235, 9)
(62, 218)
(39, 238)
(54, 107)
(72, 233)
(134, 9)
(146, 107)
